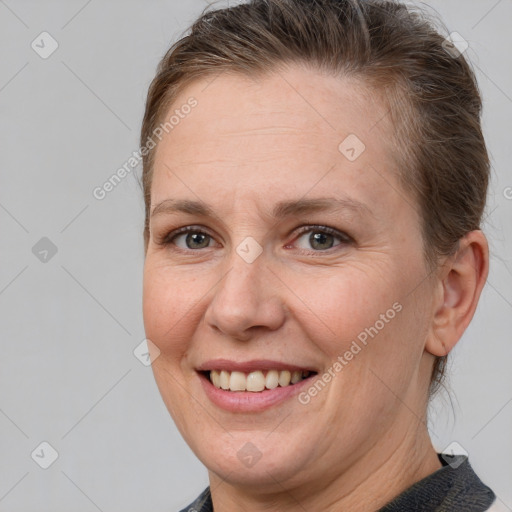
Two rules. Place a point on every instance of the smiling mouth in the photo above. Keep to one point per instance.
(256, 381)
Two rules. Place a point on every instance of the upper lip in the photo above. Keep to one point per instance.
(249, 366)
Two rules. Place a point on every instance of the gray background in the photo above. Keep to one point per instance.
(69, 325)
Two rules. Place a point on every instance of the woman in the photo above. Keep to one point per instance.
(314, 176)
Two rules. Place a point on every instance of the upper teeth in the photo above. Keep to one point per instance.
(255, 381)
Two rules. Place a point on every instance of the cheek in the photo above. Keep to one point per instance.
(362, 319)
(168, 312)
(168, 309)
(337, 307)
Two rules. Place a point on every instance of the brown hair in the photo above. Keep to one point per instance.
(432, 95)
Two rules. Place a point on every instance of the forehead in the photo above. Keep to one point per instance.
(297, 98)
(289, 127)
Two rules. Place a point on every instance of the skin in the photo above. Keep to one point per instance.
(248, 145)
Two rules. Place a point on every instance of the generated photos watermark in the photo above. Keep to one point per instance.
(355, 348)
(100, 192)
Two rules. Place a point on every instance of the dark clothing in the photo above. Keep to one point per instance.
(453, 488)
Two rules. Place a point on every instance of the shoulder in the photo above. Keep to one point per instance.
(203, 503)
(455, 487)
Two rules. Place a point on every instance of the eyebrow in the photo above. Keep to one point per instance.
(282, 209)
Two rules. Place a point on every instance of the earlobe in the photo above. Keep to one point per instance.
(460, 285)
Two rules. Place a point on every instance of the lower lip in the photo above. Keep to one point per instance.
(247, 401)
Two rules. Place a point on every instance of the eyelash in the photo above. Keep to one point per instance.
(344, 238)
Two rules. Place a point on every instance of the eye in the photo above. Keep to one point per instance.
(188, 238)
(321, 238)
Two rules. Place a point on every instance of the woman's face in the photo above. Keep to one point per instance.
(304, 255)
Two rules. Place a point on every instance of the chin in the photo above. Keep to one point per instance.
(253, 459)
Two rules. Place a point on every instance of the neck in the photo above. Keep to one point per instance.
(375, 479)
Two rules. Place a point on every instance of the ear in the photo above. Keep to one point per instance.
(459, 285)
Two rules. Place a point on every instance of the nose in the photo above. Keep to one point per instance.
(245, 302)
